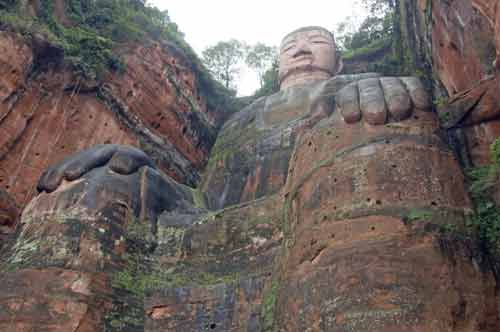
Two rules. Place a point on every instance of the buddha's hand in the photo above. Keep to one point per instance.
(382, 100)
(120, 159)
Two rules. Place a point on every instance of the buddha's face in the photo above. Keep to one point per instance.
(307, 55)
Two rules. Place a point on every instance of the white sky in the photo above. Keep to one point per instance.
(207, 22)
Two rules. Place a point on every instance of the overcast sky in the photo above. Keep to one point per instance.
(206, 22)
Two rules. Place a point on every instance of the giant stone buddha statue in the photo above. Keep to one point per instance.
(333, 192)
(251, 156)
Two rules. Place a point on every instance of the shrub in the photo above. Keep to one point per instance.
(486, 219)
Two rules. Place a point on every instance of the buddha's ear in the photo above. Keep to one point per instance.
(339, 65)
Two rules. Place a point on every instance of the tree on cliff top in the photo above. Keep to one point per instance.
(270, 80)
(261, 58)
(371, 40)
(223, 60)
(376, 27)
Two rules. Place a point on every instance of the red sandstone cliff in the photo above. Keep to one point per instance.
(456, 44)
(361, 227)
(47, 113)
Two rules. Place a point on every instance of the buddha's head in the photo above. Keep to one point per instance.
(307, 55)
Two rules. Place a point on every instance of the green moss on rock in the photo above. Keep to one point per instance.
(269, 304)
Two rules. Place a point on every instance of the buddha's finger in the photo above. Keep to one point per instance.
(397, 98)
(348, 103)
(418, 94)
(372, 101)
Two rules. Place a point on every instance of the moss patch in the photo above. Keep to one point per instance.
(231, 142)
(199, 198)
(419, 215)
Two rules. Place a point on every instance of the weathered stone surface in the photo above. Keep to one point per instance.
(234, 306)
(366, 250)
(47, 113)
(474, 119)
(9, 214)
(491, 11)
(220, 269)
(109, 174)
(97, 209)
(16, 58)
(250, 157)
(28, 301)
(127, 237)
(386, 280)
(463, 44)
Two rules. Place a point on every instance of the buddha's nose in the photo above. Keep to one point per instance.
(302, 47)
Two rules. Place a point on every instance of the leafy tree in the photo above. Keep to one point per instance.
(379, 8)
(223, 60)
(378, 25)
(344, 32)
(374, 38)
(270, 80)
(261, 58)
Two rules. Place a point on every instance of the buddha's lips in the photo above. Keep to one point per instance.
(302, 58)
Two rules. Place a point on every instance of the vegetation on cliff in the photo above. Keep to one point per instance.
(89, 32)
(371, 41)
(484, 182)
(376, 27)
(380, 43)
(269, 81)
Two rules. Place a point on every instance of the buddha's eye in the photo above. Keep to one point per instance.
(319, 42)
(288, 48)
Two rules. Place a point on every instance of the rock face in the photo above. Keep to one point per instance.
(462, 57)
(353, 236)
(126, 248)
(334, 205)
(460, 46)
(9, 213)
(472, 117)
(75, 241)
(463, 62)
(47, 113)
(366, 251)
